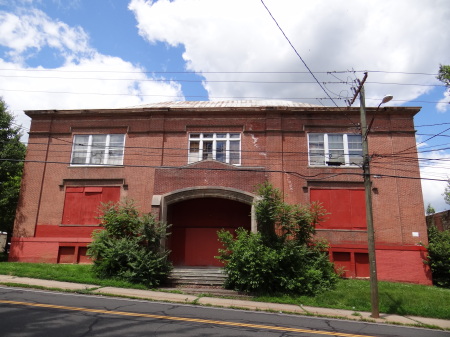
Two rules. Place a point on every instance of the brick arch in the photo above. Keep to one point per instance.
(161, 202)
(196, 214)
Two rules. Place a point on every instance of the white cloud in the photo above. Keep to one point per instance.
(444, 103)
(432, 190)
(234, 35)
(85, 79)
(31, 30)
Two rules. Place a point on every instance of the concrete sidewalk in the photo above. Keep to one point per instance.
(223, 302)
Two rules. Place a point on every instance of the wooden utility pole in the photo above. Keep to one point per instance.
(368, 194)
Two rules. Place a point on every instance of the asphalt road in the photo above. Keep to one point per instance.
(26, 313)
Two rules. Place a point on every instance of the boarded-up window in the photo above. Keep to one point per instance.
(343, 263)
(81, 205)
(362, 265)
(66, 254)
(346, 207)
(351, 264)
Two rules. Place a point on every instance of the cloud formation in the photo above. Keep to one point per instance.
(240, 36)
(85, 77)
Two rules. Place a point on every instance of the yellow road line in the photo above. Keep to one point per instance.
(183, 319)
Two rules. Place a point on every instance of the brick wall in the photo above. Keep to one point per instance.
(273, 147)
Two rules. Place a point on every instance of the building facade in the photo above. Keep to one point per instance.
(196, 165)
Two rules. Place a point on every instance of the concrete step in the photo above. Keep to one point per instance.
(197, 276)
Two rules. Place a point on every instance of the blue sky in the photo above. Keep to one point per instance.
(57, 54)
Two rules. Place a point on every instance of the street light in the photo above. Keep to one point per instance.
(385, 99)
(368, 194)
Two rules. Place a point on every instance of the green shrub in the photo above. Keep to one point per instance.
(282, 257)
(288, 267)
(129, 247)
(439, 256)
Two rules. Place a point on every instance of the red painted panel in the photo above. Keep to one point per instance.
(82, 255)
(93, 189)
(194, 229)
(403, 266)
(362, 265)
(66, 254)
(72, 206)
(201, 247)
(342, 261)
(176, 244)
(53, 231)
(81, 205)
(346, 207)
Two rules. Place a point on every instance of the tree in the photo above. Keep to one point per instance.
(430, 209)
(444, 74)
(12, 154)
(129, 248)
(439, 256)
(447, 193)
(283, 256)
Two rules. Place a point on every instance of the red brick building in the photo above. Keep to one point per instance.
(196, 165)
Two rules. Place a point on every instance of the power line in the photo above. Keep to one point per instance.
(237, 168)
(219, 72)
(297, 53)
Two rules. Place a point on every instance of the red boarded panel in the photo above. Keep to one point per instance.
(346, 207)
(343, 262)
(201, 246)
(90, 204)
(72, 205)
(176, 245)
(66, 254)
(195, 222)
(362, 265)
(82, 255)
(81, 205)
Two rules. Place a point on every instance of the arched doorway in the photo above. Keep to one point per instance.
(196, 215)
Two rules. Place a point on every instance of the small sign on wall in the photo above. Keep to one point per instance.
(415, 234)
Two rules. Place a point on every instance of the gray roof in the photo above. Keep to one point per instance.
(226, 104)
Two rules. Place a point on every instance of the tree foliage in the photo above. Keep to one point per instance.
(129, 248)
(283, 256)
(12, 153)
(439, 256)
(444, 74)
(447, 193)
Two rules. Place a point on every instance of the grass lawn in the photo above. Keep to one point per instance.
(77, 273)
(395, 298)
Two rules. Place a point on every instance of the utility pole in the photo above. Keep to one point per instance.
(369, 214)
(368, 194)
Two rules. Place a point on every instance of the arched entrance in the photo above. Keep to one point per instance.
(196, 215)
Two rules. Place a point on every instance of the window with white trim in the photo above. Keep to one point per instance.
(224, 147)
(98, 149)
(334, 149)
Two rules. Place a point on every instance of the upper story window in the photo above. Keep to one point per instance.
(333, 149)
(98, 149)
(224, 147)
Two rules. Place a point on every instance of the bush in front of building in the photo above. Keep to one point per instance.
(283, 256)
(439, 256)
(129, 247)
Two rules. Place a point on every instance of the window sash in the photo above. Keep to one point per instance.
(223, 147)
(102, 149)
(342, 148)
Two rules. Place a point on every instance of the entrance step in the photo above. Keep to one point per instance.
(201, 276)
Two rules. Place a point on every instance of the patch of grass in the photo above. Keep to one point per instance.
(394, 298)
(77, 273)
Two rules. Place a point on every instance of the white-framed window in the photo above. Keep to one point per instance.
(224, 147)
(98, 149)
(334, 149)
